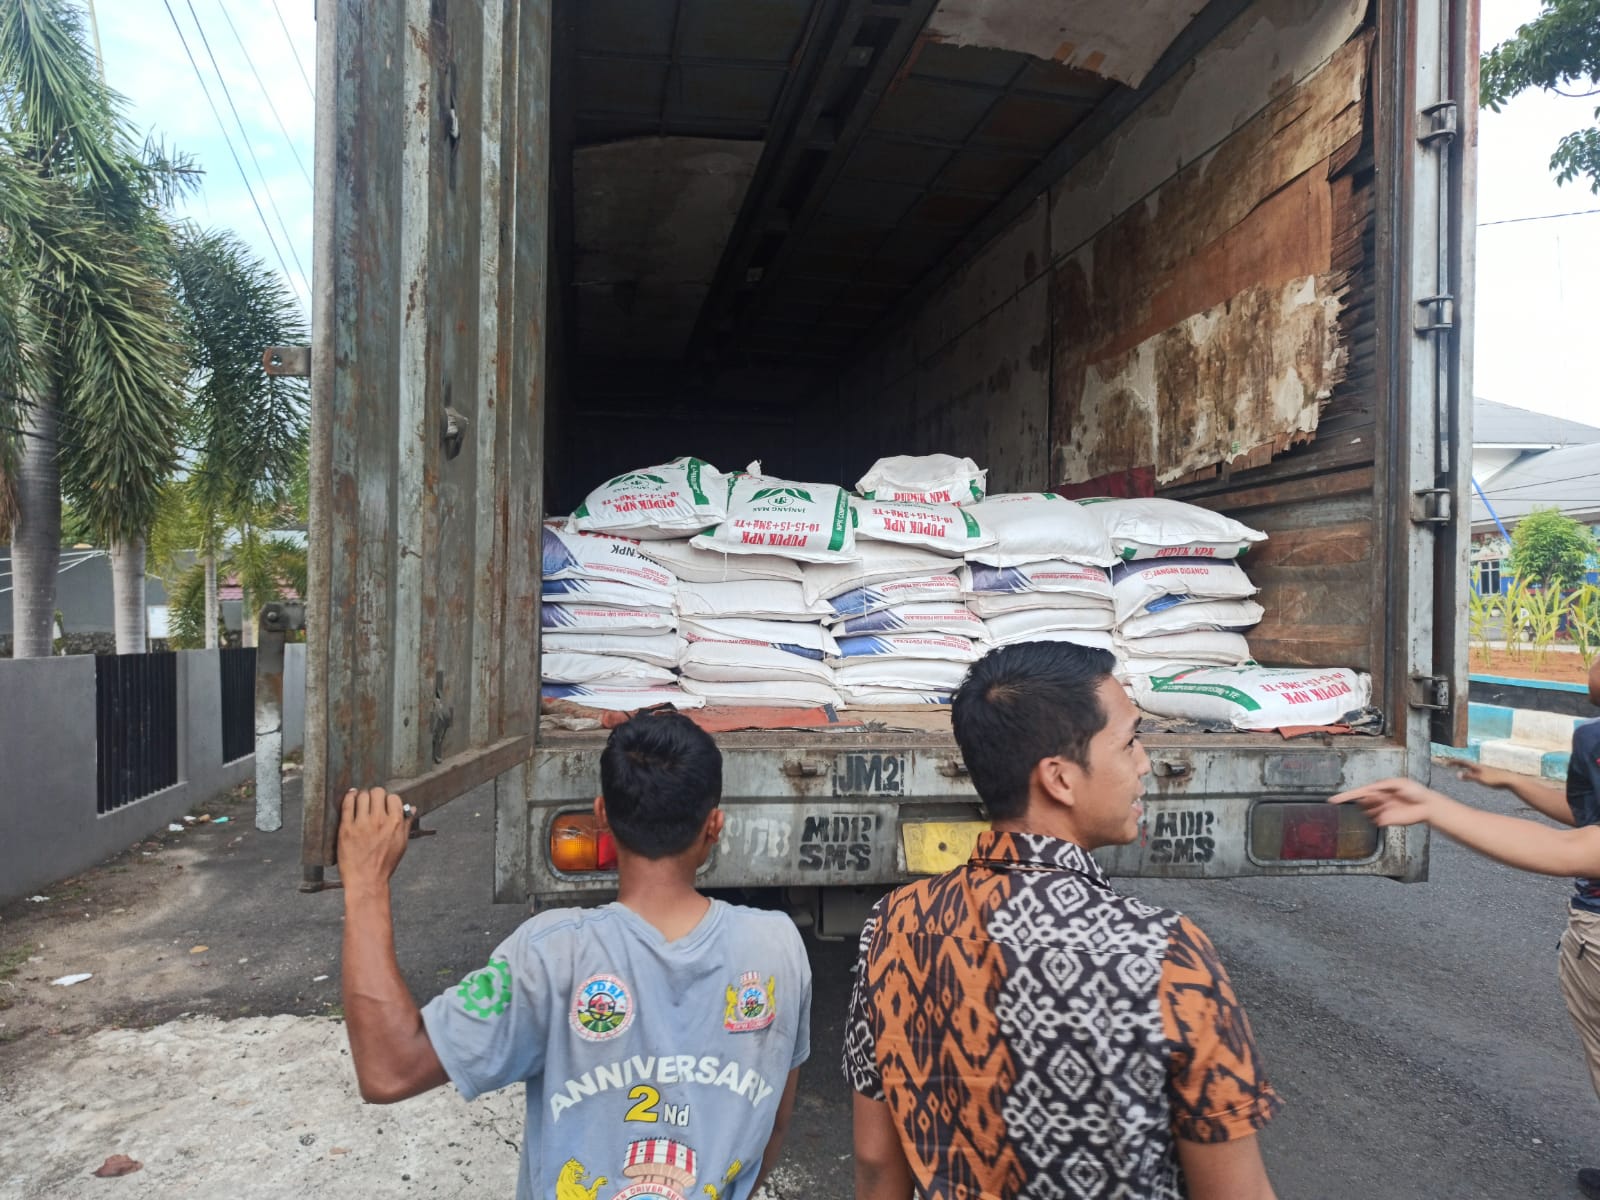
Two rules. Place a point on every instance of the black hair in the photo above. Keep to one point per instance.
(661, 776)
(1023, 703)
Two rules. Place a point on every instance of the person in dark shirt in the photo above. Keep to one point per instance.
(1017, 1028)
(1573, 850)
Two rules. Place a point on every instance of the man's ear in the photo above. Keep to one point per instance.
(600, 813)
(714, 824)
(1052, 780)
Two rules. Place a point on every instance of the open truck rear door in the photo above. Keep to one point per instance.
(428, 404)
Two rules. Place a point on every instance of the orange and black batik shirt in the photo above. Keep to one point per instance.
(1037, 1035)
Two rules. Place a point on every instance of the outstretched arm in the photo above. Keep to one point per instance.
(1510, 840)
(1535, 793)
(393, 1057)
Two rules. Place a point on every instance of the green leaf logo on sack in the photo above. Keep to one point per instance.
(783, 495)
(636, 479)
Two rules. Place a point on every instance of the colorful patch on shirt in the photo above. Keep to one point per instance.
(487, 993)
(751, 1005)
(602, 1009)
(659, 1169)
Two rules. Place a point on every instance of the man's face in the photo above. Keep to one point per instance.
(1108, 807)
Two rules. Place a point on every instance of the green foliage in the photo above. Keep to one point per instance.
(1558, 51)
(1583, 623)
(89, 325)
(1551, 548)
(1540, 615)
(186, 612)
(1483, 608)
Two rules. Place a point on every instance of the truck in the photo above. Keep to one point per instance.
(1215, 251)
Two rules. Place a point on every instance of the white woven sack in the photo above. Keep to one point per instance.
(571, 667)
(868, 697)
(1094, 639)
(1207, 647)
(950, 616)
(945, 646)
(859, 602)
(621, 699)
(659, 649)
(732, 662)
(688, 562)
(1151, 527)
(995, 605)
(776, 693)
(1038, 527)
(674, 499)
(591, 618)
(1154, 584)
(1256, 698)
(941, 527)
(795, 637)
(769, 599)
(874, 562)
(1051, 578)
(1233, 615)
(808, 522)
(923, 675)
(1005, 628)
(572, 555)
(603, 592)
(924, 479)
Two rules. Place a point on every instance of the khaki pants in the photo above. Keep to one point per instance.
(1580, 983)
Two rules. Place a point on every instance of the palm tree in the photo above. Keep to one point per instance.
(93, 379)
(247, 428)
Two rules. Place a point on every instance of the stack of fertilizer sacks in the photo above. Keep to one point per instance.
(903, 632)
(734, 545)
(1179, 595)
(1183, 606)
(680, 584)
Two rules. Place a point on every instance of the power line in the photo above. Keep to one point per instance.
(282, 24)
(1495, 493)
(248, 189)
(252, 62)
(244, 135)
(1582, 212)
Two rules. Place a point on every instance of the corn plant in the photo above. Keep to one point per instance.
(1583, 623)
(1545, 608)
(1514, 626)
(1482, 609)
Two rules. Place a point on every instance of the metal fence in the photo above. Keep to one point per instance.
(238, 701)
(136, 727)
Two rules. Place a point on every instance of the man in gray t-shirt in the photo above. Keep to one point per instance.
(658, 1036)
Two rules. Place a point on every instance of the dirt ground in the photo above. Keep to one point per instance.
(207, 1044)
(1557, 666)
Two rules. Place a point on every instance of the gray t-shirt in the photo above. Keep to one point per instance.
(653, 1068)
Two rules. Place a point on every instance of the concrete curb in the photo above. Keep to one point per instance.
(1523, 740)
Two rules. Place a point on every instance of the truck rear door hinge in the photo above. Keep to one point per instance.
(1438, 313)
(1433, 506)
(1437, 123)
(1430, 692)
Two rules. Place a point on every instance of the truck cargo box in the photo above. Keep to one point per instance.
(1216, 252)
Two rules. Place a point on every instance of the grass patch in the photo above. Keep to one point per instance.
(10, 963)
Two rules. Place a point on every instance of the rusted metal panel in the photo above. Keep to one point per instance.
(427, 404)
(1274, 46)
(1209, 310)
(1113, 38)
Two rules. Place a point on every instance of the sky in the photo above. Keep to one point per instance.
(1537, 325)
